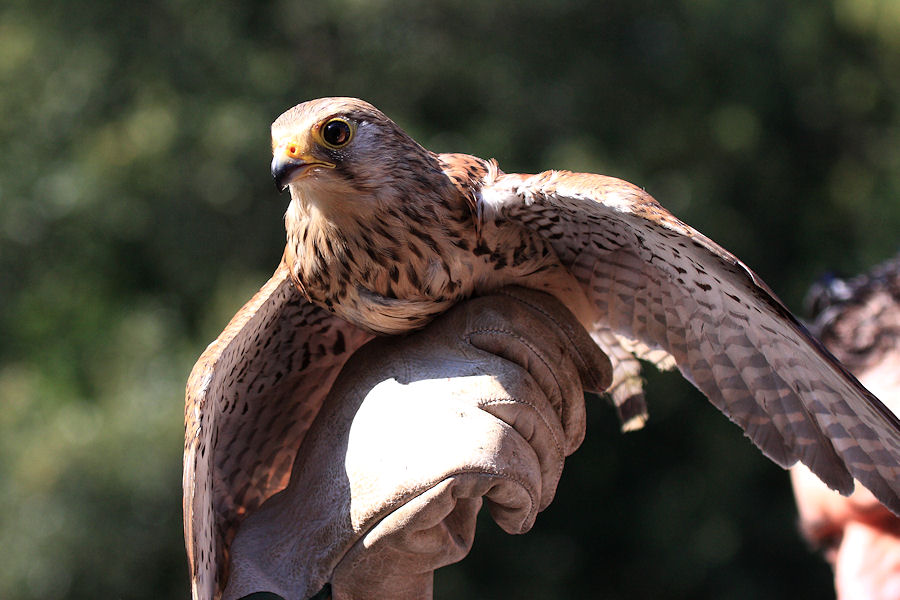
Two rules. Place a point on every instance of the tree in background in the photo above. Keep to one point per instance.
(137, 213)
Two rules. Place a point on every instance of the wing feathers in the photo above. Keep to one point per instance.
(250, 399)
(655, 280)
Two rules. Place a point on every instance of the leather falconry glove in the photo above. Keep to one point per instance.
(483, 404)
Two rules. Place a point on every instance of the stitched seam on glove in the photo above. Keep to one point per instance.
(563, 405)
(524, 342)
(515, 400)
(406, 498)
(564, 328)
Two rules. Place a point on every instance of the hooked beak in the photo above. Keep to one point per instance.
(289, 165)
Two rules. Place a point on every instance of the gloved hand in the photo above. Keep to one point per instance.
(484, 403)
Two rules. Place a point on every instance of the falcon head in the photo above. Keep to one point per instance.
(334, 149)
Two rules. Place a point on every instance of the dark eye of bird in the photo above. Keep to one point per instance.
(336, 133)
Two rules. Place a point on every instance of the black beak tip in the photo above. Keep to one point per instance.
(281, 171)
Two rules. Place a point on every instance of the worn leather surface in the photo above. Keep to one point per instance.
(482, 406)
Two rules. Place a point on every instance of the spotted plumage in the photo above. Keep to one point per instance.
(383, 235)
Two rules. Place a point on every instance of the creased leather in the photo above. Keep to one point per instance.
(483, 405)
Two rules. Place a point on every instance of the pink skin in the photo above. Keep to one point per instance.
(859, 537)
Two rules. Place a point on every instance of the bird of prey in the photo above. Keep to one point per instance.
(383, 235)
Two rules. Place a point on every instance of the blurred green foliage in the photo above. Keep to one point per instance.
(137, 214)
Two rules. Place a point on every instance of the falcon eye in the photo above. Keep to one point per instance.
(336, 133)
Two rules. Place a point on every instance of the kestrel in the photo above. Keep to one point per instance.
(382, 235)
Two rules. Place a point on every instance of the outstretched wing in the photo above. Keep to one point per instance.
(662, 286)
(250, 400)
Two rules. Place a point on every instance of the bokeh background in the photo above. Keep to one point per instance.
(137, 214)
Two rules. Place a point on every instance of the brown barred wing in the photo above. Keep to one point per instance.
(250, 399)
(658, 285)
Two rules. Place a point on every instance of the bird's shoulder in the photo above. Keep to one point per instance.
(466, 171)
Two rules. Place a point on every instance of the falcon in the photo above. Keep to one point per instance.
(383, 235)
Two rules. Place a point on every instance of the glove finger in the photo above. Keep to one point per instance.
(593, 365)
(536, 332)
(539, 392)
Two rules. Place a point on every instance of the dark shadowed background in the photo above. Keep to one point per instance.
(137, 214)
